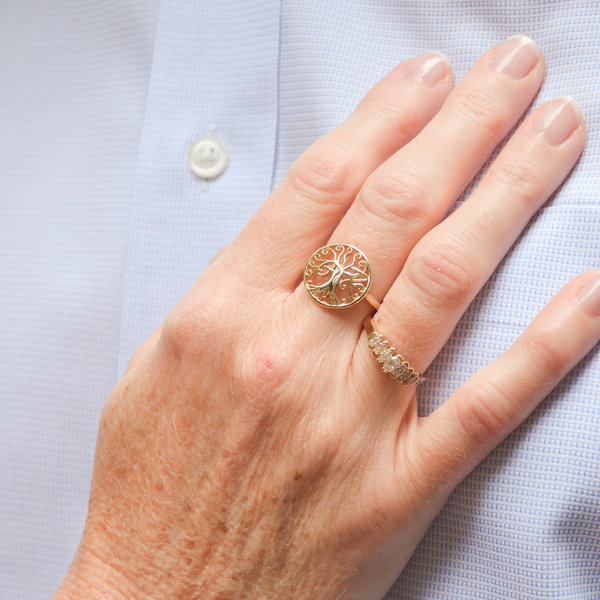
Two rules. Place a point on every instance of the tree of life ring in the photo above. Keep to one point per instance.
(337, 276)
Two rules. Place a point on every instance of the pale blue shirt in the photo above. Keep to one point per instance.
(103, 227)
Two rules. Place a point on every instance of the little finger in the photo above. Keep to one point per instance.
(494, 401)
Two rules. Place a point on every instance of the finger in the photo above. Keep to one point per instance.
(303, 211)
(451, 263)
(415, 188)
(494, 401)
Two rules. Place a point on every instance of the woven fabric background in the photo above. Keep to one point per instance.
(103, 227)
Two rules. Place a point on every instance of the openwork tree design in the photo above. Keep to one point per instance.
(337, 276)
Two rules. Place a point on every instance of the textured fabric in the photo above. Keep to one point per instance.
(73, 87)
(103, 228)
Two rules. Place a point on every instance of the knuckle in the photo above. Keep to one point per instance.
(180, 332)
(323, 439)
(137, 356)
(478, 105)
(401, 121)
(323, 171)
(483, 412)
(259, 376)
(185, 330)
(520, 178)
(443, 273)
(546, 352)
(397, 198)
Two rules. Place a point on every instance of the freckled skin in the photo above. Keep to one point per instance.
(236, 506)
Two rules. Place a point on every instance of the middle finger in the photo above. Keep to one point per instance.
(413, 190)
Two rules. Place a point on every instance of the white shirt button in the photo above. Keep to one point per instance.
(207, 157)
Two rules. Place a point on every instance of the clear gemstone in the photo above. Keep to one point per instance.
(400, 369)
(411, 379)
(385, 355)
(374, 339)
(407, 375)
(381, 346)
(390, 364)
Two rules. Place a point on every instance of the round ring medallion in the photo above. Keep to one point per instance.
(337, 276)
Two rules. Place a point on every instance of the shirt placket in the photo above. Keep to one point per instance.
(214, 76)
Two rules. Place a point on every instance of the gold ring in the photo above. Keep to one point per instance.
(391, 363)
(339, 276)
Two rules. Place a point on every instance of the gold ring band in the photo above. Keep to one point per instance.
(372, 301)
(395, 365)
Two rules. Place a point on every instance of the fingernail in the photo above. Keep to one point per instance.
(429, 68)
(558, 120)
(589, 298)
(516, 56)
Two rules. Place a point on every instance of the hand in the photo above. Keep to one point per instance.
(254, 449)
